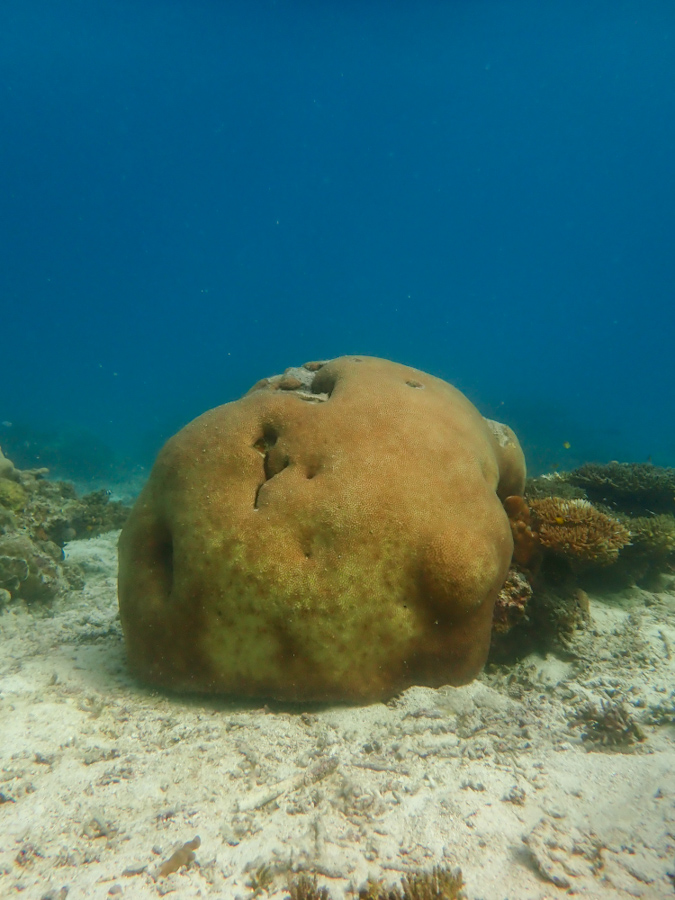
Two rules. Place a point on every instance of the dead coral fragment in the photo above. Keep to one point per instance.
(578, 531)
(609, 725)
(439, 884)
(184, 856)
(512, 600)
(260, 881)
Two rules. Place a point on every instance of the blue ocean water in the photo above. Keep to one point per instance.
(198, 194)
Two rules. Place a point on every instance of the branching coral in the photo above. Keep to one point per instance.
(635, 488)
(578, 531)
(652, 537)
(651, 551)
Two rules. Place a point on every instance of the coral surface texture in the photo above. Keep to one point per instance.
(336, 534)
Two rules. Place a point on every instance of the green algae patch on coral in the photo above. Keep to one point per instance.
(12, 495)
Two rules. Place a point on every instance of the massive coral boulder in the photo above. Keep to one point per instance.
(337, 533)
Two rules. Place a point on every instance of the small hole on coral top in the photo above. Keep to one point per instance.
(414, 384)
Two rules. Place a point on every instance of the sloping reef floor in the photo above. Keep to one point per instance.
(551, 777)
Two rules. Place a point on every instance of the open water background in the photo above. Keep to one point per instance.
(197, 194)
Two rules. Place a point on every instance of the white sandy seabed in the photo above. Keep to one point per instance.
(102, 779)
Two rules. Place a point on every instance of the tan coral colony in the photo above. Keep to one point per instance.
(336, 534)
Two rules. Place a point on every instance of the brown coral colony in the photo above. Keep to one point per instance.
(349, 499)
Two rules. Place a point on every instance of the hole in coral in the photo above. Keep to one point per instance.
(275, 462)
(324, 382)
(414, 384)
(266, 440)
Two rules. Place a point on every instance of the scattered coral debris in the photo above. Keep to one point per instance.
(184, 856)
(607, 725)
(441, 883)
(302, 887)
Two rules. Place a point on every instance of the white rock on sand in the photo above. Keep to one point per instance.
(103, 779)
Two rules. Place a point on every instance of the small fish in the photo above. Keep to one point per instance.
(567, 445)
(6, 424)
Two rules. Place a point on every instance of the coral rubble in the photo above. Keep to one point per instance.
(441, 883)
(607, 725)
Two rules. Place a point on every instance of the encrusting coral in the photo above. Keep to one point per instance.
(578, 531)
(337, 533)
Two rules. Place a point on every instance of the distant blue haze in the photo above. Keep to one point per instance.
(198, 193)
